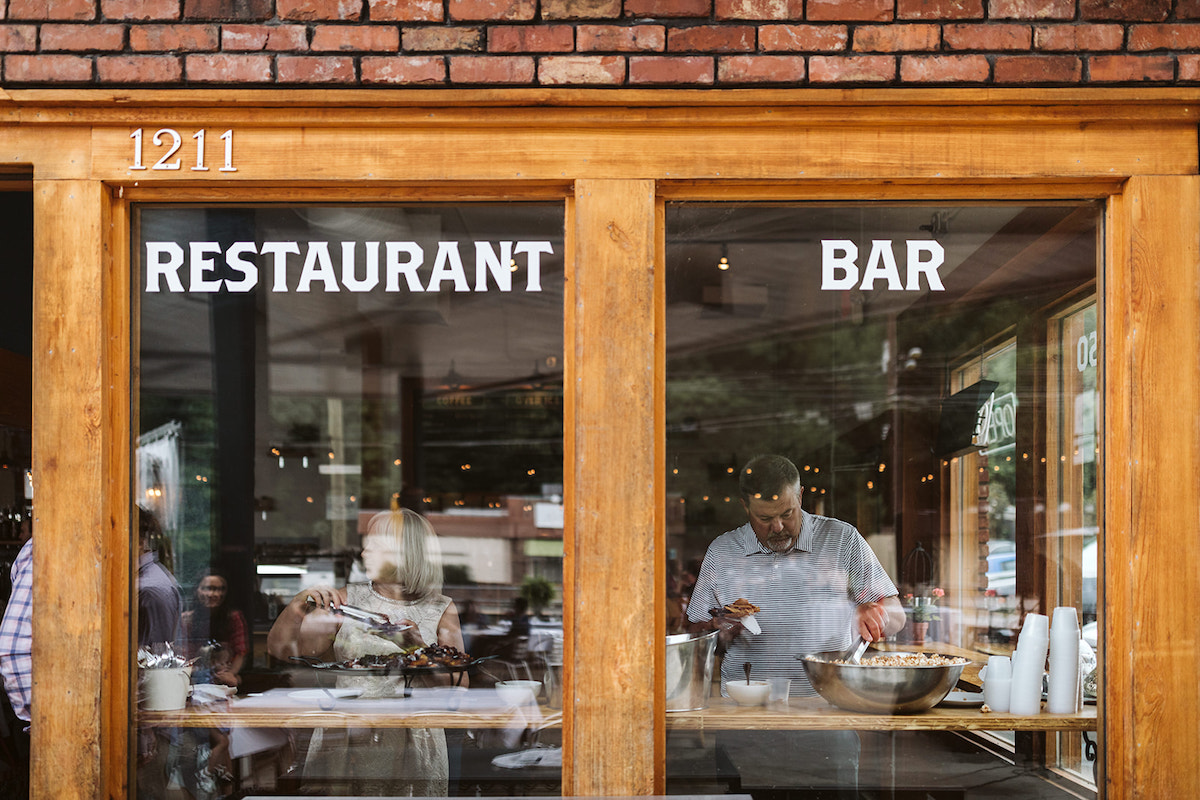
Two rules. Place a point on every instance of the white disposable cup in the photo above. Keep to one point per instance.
(1036, 626)
(779, 690)
(996, 693)
(1065, 617)
(998, 667)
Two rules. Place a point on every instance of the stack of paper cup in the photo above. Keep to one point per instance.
(1062, 696)
(997, 683)
(1029, 665)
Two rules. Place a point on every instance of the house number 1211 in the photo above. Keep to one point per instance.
(173, 142)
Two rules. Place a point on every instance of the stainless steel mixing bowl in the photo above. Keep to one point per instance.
(879, 689)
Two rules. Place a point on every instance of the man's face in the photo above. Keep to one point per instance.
(776, 520)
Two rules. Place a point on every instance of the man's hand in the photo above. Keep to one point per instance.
(872, 621)
(880, 619)
(728, 629)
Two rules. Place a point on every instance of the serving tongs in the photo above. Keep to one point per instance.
(380, 623)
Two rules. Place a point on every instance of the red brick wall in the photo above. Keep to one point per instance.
(599, 43)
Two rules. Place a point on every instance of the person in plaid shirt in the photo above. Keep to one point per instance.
(16, 635)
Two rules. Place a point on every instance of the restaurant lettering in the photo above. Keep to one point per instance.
(334, 267)
(839, 265)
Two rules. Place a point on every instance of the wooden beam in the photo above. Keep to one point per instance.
(1150, 641)
(73, 446)
(612, 730)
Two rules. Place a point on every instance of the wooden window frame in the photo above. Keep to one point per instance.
(617, 156)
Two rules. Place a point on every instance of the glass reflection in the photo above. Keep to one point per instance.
(917, 363)
(303, 371)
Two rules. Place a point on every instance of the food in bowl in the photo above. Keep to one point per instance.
(752, 693)
(900, 683)
(516, 693)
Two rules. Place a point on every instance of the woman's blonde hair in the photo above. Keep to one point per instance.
(417, 555)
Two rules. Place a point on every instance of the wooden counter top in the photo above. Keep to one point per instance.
(482, 708)
(816, 714)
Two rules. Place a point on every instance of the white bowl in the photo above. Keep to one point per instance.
(753, 693)
(517, 693)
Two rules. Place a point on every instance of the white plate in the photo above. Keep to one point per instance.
(963, 699)
(325, 694)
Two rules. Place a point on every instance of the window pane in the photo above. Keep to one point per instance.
(910, 361)
(361, 406)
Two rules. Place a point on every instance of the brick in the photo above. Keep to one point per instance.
(849, 11)
(319, 10)
(851, 69)
(491, 69)
(939, 9)
(896, 38)
(140, 10)
(1130, 69)
(264, 37)
(671, 70)
(426, 40)
(782, 10)
(405, 10)
(64, 10)
(668, 8)
(970, 36)
(1125, 10)
(620, 38)
(1031, 9)
(1189, 67)
(356, 38)
(493, 10)
(174, 38)
(580, 9)
(315, 69)
(403, 69)
(228, 10)
(711, 39)
(803, 38)
(1187, 9)
(139, 69)
(18, 38)
(581, 70)
(227, 68)
(761, 69)
(47, 69)
(1078, 37)
(1158, 37)
(531, 39)
(1037, 69)
(944, 69)
(82, 38)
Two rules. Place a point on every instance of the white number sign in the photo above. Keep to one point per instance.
(170, 142)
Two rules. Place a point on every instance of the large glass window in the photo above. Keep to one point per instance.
(349, 480)
(930, 372)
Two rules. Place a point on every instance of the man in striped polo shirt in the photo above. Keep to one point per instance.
(818, 586)
(816, 582)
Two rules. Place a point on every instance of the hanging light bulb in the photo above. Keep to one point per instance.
(723, 264)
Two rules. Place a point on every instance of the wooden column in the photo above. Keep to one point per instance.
(1151, 563)
(613, 733)
(80, 476)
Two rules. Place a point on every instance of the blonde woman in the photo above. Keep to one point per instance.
(402, 560)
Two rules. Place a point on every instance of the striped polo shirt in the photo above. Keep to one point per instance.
(807, 595)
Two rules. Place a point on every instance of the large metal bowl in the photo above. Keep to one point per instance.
(879, 689)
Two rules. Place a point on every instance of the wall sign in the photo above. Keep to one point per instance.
(839, 265)
(360, 265)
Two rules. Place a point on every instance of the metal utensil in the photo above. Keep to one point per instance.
(377, 622)
(855, 653)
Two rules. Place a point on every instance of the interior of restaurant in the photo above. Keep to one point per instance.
(953, 426)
